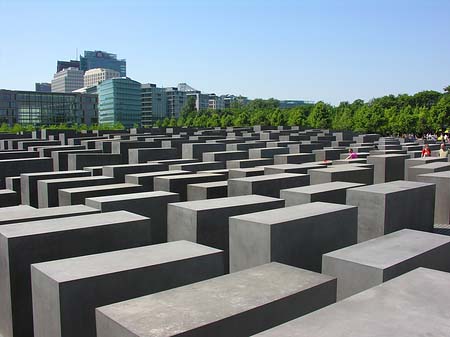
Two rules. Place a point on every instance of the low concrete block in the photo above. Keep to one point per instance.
(55, 239)
(297, 235)
(206, 221)
(294, 158)
(225, 155)
(8, 198)
(432, 167)
(268, 185)
(149, 204)
(15, 167)
(388, 167)
(48, 189)
(268, 152)
(347, 173)
(210, 190)
(401, 304)
(199, 166)
(147, 179)
(370, 263)
(13, 183)
(246, 172)
(77, 161)
(442, 196)
(77, 195)
(248, 163)
(409, 163)
(229, 305)
(334, 192)
(29, 183)
(119, 171)
(178, 183)
(386, 208)
(137, 156)
(62, 285)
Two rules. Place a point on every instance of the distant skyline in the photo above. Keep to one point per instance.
(312, 50)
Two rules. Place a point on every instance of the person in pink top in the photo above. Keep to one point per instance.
(351, 154)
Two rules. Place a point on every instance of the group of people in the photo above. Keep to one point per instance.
(443, 151)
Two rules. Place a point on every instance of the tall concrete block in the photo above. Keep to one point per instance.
(367, 264)
(210, 190)
(77, 161)
(206, 221)
(268, 152)
(229, 305)
(347, 173)
(225, 155)
(328, 154)
(54, 239)
(334, 192)
(29, 183)
(196, 150)
(123, 146)
(442, 197)
(386, 208)
(23, 213)
(48, 189)
(410, 163)
(248, 163)
(77, 195)
(18, 155)
(13, 183)
(268, 185)
(72, 288)
(290, 168)
(199, 166)
(119, 171)
(399, 307)
(136, 156)
(150, 204)
(427, 168)
(388, 167)
(8, 198)
(147, 179)
(15, 167)
(294, 158)
(178, 183)
(246, 172)
(297, 235)
(61, 158)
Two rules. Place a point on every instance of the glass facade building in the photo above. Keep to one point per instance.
(101, 59)
(43, 87)
(44, 108)
(154, 104)
(60, 65)
(119, 101)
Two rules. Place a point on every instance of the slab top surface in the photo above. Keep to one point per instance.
(390, 187)
(69, 223)
(319, 188)
(207, 204)
(122, 260)
(416, 304)
(391, 249)
(171, 312)
(271, 177)
(280, 215)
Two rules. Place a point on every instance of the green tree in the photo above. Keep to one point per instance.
(320, 116)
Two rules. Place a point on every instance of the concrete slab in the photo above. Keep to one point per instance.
(268, 185)
(149, 204)
(62, 285)
(399, 307)
(51, 240)
(386, 208)
(147, 179)
(370, 263)
(297, 235)
(442, 196)
(230, 305)
(334, 192)
(210, 190)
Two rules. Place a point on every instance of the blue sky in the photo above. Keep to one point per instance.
(314, 50)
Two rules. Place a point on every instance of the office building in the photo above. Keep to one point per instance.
(176, 99)
(45, 108)
(68, 80)
(95, 76)
(229, 99)
(201, 100)
(43, 87)
(154, 104)
(101, 59)
(215, 102)
(60, 65)
(119, 100)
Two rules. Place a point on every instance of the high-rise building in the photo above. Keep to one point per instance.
(176, 99)
(215, 102)
(96, 76)
(60, 65)
(229, 99)
(43, 87)
(154, 104)
(101, 59)
(67, 80)
(201, 100)
(44, 108)
(119, 100)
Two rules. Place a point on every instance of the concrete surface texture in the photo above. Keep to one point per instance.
(237, 304)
